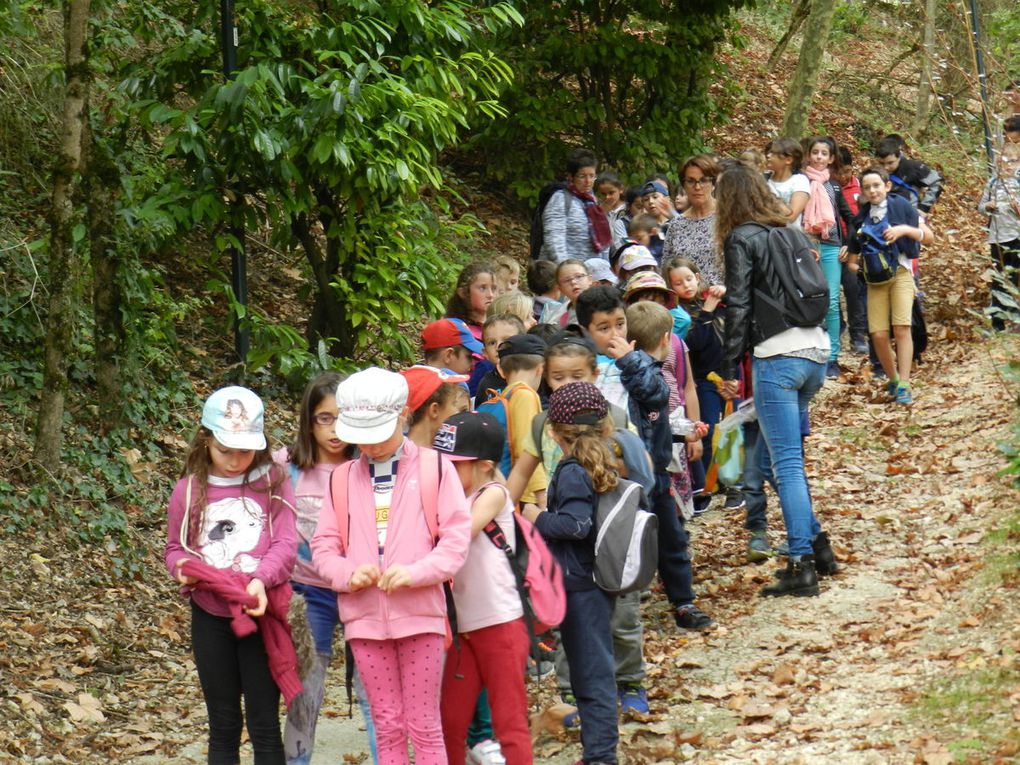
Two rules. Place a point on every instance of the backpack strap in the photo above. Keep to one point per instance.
(430, 465)
(429, 471)
(339, 495)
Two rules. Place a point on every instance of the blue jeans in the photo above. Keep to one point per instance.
(833, 276)
(674, 546)
(757, 470)
(588, 643)
(783, 387)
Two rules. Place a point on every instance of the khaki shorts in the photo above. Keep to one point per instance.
(896, 297)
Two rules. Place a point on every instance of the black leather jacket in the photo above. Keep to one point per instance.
(748, 321)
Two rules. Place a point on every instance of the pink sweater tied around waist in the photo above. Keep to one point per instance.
(273, 624)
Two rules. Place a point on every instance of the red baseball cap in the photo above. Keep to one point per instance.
(423, 381)
(448, 332)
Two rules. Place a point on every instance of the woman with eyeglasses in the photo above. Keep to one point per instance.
(310, 462)
(573, 223)
(692, 234)
(573, 278)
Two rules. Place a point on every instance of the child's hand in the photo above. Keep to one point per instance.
(717, 290)
(185, 580)
(364, 576)
(395, 577)
(893, 233)
(257, 588)
(662, 208)
(617, 348)
(694, 450)
(844, 253)
(700, 429)
(711, 302)
(730, 389)
(530, 511)
(853, 266)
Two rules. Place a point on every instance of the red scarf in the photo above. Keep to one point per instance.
(598, 222)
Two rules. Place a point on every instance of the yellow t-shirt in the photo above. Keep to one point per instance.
(523, 404)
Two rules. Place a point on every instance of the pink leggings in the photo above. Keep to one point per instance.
(402, 680)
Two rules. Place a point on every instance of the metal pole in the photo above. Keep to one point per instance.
(979, 59)
(238, 254)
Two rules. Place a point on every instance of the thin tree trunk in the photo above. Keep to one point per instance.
(809, 63)
(101, 183)
(924, 83)
(797, 16)
(64, 269)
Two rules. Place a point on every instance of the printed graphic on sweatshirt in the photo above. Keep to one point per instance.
(231, 529)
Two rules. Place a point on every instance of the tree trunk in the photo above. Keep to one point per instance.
(924, 83)
(101, 183)
(797, 16)
(63, 266)
(809, 63)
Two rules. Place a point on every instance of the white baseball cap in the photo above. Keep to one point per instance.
(369, 403)
(637, 256)
(234, 415)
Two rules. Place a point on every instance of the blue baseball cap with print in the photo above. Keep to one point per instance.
(234, 415)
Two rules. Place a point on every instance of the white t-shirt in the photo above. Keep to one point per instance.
(484, 590)
(786, 189)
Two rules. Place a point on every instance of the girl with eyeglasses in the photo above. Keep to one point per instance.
(310, 462)
(692, 234)
(573, 278)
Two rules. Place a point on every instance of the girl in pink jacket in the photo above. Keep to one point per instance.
(234, 512)
(397, 526)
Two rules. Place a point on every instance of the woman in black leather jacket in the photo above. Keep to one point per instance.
(788, 365)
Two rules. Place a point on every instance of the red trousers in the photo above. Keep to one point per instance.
(494, 658)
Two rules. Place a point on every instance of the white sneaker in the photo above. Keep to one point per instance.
(486, 753)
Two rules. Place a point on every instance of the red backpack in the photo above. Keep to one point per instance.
(537, 574)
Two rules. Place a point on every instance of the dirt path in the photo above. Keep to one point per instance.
(860, 674)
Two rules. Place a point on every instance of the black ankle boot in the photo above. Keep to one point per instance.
(798, 579)
(825, 558)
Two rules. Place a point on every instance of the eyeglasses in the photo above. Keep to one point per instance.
(325, 419)
(692, 182)
(575, 278)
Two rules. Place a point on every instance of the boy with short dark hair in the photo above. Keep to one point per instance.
(631, 377)
(542, 285)
(911, 179)
(645, 229)
(521, 361)
(449, 344)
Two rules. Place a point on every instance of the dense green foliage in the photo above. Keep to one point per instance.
(327, 138)
(630, 80)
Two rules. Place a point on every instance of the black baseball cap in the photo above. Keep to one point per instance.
(524, 344)
(471, 436)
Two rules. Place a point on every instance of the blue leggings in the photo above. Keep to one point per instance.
(833, 276)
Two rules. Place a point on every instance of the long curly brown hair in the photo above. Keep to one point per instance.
(587, 444)
(743, 197)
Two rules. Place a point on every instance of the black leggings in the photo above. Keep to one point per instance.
(229, 667)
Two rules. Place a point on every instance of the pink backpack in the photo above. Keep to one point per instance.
(538, 576)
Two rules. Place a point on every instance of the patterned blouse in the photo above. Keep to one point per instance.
(694, 239)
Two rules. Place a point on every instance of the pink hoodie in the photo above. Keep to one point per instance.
(421, 608)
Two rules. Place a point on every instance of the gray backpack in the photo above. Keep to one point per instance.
(626, 540)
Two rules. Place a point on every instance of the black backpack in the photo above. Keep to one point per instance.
(537, 236)
(803, 294)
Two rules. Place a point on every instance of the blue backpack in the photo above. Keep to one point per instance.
(879, 259)
(498, 405)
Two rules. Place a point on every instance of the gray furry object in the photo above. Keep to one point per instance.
(301, 633)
